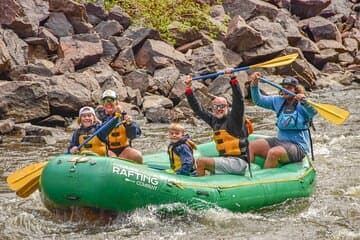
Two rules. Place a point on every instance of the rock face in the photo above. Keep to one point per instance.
(308, 8)
(59, 55)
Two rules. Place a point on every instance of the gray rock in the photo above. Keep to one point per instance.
(59, 25)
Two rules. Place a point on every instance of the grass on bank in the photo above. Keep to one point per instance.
(160, 14)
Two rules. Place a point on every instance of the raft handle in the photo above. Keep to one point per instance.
(72, 198)
(202, 193)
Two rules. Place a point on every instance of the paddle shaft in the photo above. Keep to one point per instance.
(97, 132)
(276, 62)
(278, 87)
(212, 75)
(315, 105)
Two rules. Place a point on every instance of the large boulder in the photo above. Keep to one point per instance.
(59, 25)
(74, 12)
(118, 14)
(23, 16)
(274, 37)
(107, 78)
(248, 9)
(308, 8)
(14, 51)
(125, 61)
(109, 28)
(69, 92)
(23, 100)
(289, 24)
(156, 54)
(81, 50)
(212, 58)
(320, 28)
(241, 37)
(139, 79)
(165, 79)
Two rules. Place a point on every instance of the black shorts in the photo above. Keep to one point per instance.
(295, 153)
(117, 151)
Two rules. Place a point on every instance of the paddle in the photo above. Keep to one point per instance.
(330, 112)
(25, 180)
(21, 177)
(276, 62)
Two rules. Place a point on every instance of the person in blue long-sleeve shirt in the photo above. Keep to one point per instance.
(293, 121)
(180, 150)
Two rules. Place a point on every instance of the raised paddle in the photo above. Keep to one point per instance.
(330, 112)
(276, 62)
(25, 180)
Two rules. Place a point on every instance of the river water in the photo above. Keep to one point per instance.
(332, 212)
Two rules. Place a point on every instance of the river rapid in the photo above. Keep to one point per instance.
(332, 212)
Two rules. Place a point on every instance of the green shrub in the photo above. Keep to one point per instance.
(159, 14)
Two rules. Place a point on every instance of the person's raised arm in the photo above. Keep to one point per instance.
(238, 104)
(194, 103)
(256, 96)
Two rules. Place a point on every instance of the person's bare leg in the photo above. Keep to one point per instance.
(132, 154)
(203, 164)
(258, 147)
(111, 153)
(274, 156)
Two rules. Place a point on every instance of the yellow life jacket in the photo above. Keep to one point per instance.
(95, 145)
(175, 160)
(118, 137)
(229, 145)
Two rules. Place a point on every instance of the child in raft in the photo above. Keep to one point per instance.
(180, 151)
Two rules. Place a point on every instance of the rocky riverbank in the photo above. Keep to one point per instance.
(59, 55)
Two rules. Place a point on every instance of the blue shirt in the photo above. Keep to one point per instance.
(275, 103)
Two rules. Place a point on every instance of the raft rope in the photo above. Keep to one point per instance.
(183, 185)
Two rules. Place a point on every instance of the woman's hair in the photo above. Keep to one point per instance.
(299, 89)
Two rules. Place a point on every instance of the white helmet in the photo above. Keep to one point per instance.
(109, 93)
(86, 110)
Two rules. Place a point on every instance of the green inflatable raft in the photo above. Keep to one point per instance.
(118, 185)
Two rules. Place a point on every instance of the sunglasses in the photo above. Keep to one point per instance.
(108, 100)
(217, 107)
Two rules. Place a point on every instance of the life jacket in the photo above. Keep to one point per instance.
(288, 119)
(229, 145)
(118, 137)
(95, 145)
(175, 160)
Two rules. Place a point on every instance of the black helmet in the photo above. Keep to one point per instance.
(289, 81)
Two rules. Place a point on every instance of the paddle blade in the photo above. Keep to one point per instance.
(330, 112)
(24, 175)
(276, 62)
(29, 187)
